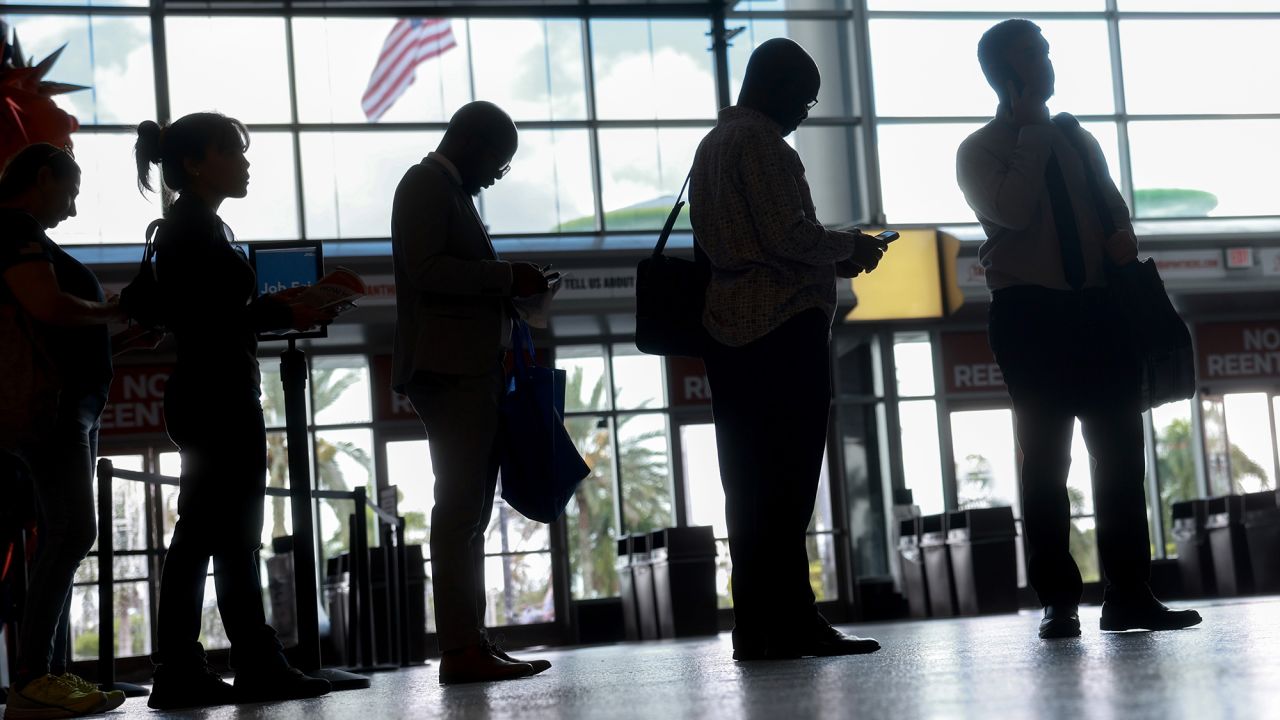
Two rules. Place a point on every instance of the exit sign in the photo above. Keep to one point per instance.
(1238, 258)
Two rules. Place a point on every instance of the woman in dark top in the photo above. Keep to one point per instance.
(62, 303)
(213, 413)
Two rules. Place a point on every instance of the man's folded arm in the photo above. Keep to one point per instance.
(1006, 192)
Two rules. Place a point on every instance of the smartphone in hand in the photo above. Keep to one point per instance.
(887, 236)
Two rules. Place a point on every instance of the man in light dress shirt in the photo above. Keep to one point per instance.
(769, 307)
(1053, 334)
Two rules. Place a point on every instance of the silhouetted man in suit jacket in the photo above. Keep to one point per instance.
(453, 324)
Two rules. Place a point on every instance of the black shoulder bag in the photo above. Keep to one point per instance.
(1157, 338)
(140, 299)
(671, 293)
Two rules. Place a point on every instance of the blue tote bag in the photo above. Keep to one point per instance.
(541, 467)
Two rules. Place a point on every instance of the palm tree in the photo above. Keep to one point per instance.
(646, 502)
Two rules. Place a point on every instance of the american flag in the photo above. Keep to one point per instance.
(410, 42)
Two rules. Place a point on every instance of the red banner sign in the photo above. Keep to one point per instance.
(136, 403)
(1239, 350)
(968, 365)
(687, 382)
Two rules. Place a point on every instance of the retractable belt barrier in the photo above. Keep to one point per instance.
(360, 623)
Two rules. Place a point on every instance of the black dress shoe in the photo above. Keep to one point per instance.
(193, 686)
(276, 684)
(477, 664)
(1145, 613)
(537, 665)
(826, 642)
(1060, 621)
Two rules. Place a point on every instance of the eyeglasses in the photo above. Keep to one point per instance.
(810, 105)
(502, 171)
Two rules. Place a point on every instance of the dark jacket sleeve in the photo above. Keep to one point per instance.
(201, 278)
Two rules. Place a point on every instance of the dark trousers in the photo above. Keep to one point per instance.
(460, 414)
(771, 400)
(61, 471)
(222, 439)
(1058, 352)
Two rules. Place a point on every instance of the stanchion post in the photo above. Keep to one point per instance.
(362, 580)
(106, 577)
(402, 590)
(293, 376)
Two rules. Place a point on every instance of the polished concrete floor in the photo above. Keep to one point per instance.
(992, 667)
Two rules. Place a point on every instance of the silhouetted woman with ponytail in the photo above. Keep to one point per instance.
(213, 413)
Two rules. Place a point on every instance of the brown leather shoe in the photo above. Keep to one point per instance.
(477, 664)
(538, 665)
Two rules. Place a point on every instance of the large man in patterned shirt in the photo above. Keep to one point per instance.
(769, 309)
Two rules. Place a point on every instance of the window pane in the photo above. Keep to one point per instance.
(921, 458)
(940, 74)
(822, 567)
(918, 172)
(532, 68)
(987, 5)
(273, 392)
(587, 387)
(590, 518)
(519, 589)
(1198, 5)
(986, 459)
(642, 171)
(1175, 462)
(1083, 545)
(643, 459)
(1252, 447)
(109, 208)
(409, 470)
(855, 365)
(724, 575)
(1194, 181)
(828, 156)
(109, 55)
(247, 79)
(343, 172)
(653, 69)
(824, 40)
(1080, 476)
(639, 380)
(1108, 137)
(270, 211)
(335, 57)
(791, 5)
(548, 189)
(340, 389)
(864, 487)
(279, 512)
(913, 364)
(132, 625)
(344, 460)
(212, 635)
(1161, 77)
(821, 520)
(511, 532)
(701, 468)
(171, 466)
(1215, 445)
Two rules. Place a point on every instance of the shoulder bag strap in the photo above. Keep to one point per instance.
(671, 219)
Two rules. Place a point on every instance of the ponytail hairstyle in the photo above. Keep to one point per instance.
(187, 138)
(23, 170)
